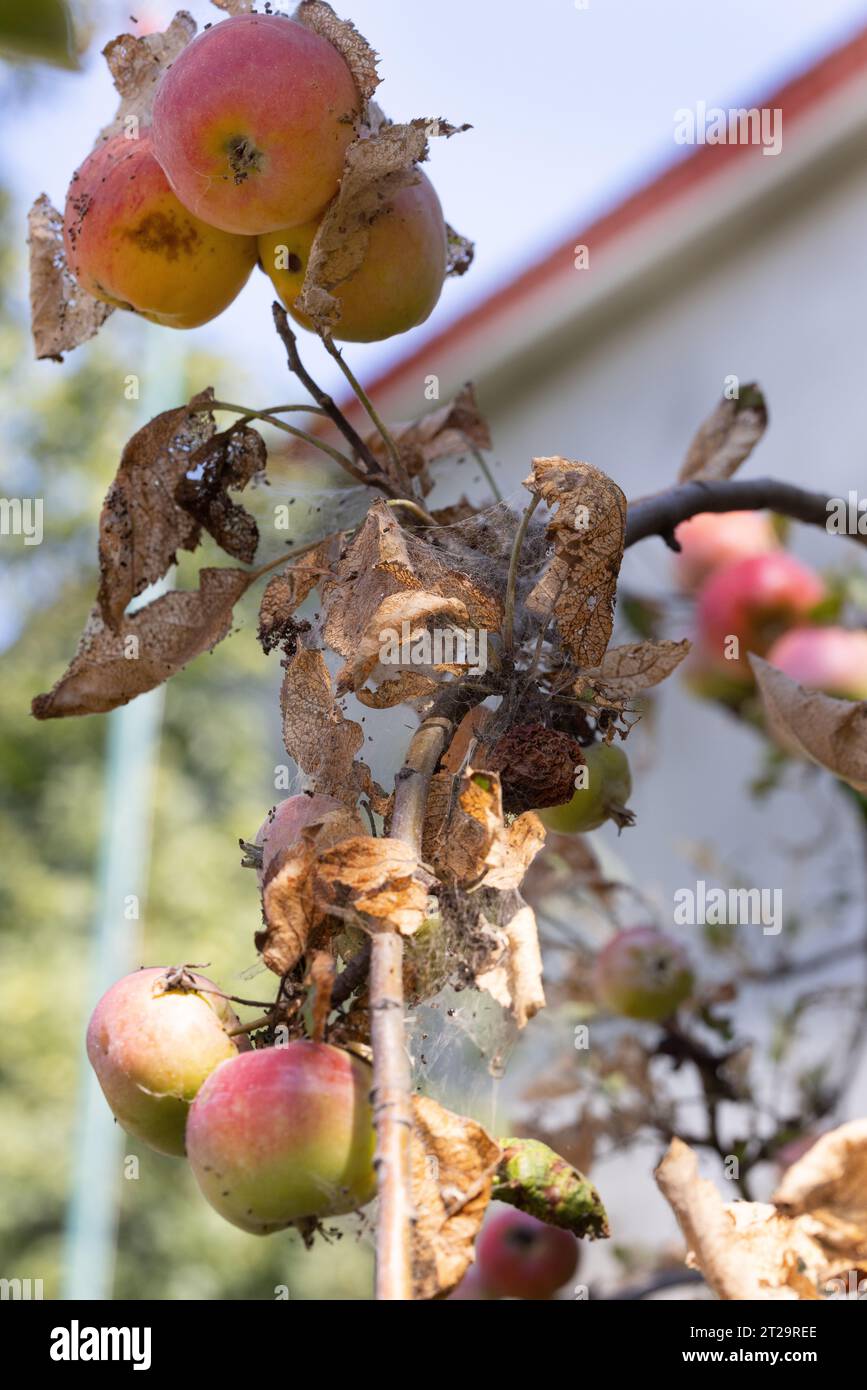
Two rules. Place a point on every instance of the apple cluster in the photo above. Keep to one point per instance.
(242, 158)
(747, 587)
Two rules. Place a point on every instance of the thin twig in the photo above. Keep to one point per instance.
(380, 425)
(483, 464)
(660, 514)
(392, 1097)
(512, 580)
(308, 438)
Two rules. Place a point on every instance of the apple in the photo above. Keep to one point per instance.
(284, 1133)
(471, 1289)
(642, 974)
(520, 1257)
(609, 785)
(252, 121)
(754, 600)
(284, 824)
(397, 284)
(831, 659)
(712, 540)
(130, 243)
(152, 1044)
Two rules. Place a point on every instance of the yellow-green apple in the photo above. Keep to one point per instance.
(518, 1256)
(284, 1133)
(130, 243)
(397, 284)
(711, 540)
(753, 600)
(152, 1044)
(642, 974)
(608, 785)
(831, 659)
(251, 123)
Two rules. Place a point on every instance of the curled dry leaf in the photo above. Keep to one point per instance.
(376, 167)
(61, 314)
(745, 1250)
(356, 52)
(285, 593)
(288, 894)
(142, 527)
(230, 459)
(453, 1164)
(321, 974)
(448, 432)
(829, 1186)
(136, 64)
(587, 531)
(385, 560)
(460, 253)
(830, 732)
(400, 655)
(377, 880)
(466, 839)
(625, 671)
(727, 437)
(316, 732)
(111, 667)
(514, 976)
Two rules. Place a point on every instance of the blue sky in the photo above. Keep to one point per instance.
(570, 108)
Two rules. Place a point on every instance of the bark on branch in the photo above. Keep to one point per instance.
(659, 514)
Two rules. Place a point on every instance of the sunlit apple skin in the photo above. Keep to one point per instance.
(609, 786)
(252, 121)
(642, 974)
(284, 825)
(152, 1050)
(754, 599)
(284, 1133)
(830, 659)
(520, 1257)
(399, 281)
(711, 540)
(130, 243)
(471, 1289)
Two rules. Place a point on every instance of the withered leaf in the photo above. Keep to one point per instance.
(587, 530)
(383, 560)
(745, 1250)
(460, 254)
(453, 1164)
(357, 53)
(142, 527)
(829, 1186)
(376, 167)
(727, 437)
(111, 667)
(61, 314)
(285, 593)
(514, 977)
(451, 430)
(466, 839)
(317, 734)
(136, 64)
(830, 732)
(229, 460)
(396, 652)
(626, 671)
(375, 878)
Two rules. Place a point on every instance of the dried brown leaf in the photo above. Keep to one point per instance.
(136, 64)
(230, 460)
(356, 52)
(832, 733)
(453, 1164)
(727, 437)
(285, 593)
(376, 879)
(111, 667)
(626, 671)
(142, 527)
(316, 732)
(829, 1185)
(514, 977)
(391, 650)
(448, 432)
(588, 531)
(61, 314)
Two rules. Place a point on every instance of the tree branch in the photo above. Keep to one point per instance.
(659, 514)
(392, 1098)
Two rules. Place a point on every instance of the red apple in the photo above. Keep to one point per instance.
(520, 1257)
(832, 659)
(712, 540)
(284, 1133)
(753, 600)
(283, 825)
(130, 243)
(642, 974)
(152, 1046)
(251, 123)
(471, 1289)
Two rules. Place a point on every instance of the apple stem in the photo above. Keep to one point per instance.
(392, 1080)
